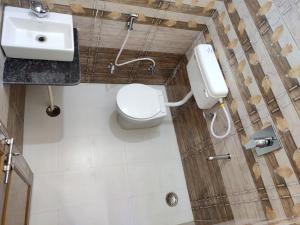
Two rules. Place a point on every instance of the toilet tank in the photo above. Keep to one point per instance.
(206, 78)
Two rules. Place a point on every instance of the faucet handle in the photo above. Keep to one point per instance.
(259, 142)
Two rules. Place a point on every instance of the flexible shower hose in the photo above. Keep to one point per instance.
(131, 61)
(222, 106)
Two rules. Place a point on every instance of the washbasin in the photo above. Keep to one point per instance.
(29, 37)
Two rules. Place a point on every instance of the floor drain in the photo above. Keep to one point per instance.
(53, 112)
(172, 199)
(41, 38)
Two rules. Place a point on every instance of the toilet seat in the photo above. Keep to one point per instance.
(139, 101)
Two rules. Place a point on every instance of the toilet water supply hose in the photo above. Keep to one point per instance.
(222, 106)
(181, 102)
(131, 61)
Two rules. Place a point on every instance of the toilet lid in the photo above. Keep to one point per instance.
(138, 101)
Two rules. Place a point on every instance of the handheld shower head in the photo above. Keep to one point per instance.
(131, 19)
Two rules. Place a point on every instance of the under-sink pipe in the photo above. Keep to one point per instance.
(52, 110)
(181, 102)
(51, 98)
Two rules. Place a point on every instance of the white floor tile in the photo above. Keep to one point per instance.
(148, 210)
(79, 187)
(108, 150)
(44, 218)
(90, 171)
(144, 178)
(46, 195)
(100, 96)
(43, 158)
(172, 176)
(84, 214)
(113, 181)
(119, 211)
(76, 153)
(74, 122)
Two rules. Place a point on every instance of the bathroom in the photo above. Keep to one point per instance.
(149, 112)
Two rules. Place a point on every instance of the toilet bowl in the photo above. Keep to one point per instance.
(140, 106)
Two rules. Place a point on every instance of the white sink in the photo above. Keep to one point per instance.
(28, 37)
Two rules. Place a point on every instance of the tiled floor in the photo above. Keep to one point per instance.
(88, 171)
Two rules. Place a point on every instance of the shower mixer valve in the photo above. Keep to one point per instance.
(264, 141)
(260, 142)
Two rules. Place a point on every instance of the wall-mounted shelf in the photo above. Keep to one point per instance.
(43, 72)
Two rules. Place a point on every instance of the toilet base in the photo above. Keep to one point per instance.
(129, 124)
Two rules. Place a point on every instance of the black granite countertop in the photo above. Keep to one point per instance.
(43, 72)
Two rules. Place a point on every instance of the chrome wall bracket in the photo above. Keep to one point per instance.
(264, 141)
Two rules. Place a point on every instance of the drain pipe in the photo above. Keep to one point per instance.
(181, 102)
(51, 98)
(52, 110)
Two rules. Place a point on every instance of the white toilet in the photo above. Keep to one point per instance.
(140, 106)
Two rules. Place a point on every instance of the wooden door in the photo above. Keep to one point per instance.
(16, 194)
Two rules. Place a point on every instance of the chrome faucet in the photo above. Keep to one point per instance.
(39, 9)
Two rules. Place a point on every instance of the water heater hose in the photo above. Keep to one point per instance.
(222, 106)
